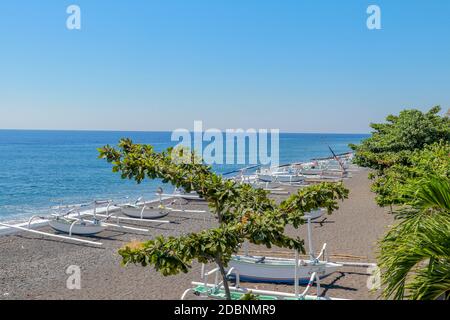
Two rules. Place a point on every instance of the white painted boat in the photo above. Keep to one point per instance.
(279, 175)
(276, 177)
(181, 193)
(279, 270)
(312, 171)
(78, 227)
(50, 235)
(333, 165)
(68, 219)
(321, 168)
(144, 212)
(284, 270)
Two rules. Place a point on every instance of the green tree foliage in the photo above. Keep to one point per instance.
(250, 296)
(243, 212)
(404, 148)
(434, 159)
(392, 142)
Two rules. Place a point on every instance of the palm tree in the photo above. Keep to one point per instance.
(415, 254)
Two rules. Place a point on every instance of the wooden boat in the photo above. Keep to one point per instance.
(279, 270)
(72, 222)
(281, 176)
(182, 194)
(77, 227)
(144, 211)
(216, 290)
(284, 270)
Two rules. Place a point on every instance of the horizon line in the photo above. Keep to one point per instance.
(168, 131)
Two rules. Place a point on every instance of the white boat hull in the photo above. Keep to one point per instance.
(312, 172)
(79, 228)
(148, 213)
(280, 178)
(188, 196)
(277, 270)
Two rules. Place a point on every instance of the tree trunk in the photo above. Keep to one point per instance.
(219, 261)
(224, 277)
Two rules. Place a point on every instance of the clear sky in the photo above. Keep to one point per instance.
(296, 65)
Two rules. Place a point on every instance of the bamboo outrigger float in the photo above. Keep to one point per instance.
(216, 290)
(70, 238)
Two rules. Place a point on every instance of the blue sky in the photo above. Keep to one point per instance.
(296, 65)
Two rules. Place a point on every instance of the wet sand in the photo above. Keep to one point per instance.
(34, 267)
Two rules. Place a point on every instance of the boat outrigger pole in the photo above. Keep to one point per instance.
(310, 244)
(50, 234)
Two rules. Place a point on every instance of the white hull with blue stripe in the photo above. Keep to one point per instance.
(279, 270)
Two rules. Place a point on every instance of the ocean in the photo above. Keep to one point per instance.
(40, 169)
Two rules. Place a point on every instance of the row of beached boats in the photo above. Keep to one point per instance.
(92, 218)
(77, 221)
(297, 174)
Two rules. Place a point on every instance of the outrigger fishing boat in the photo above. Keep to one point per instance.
(156, 209)
(243, 178)
(285, 270)
(181, 193)
(69, 220)
(216, 290)
(280, 175)
(325, 168)
(80, 226)
(282, 270)
(142, 210)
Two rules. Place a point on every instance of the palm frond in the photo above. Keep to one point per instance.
(431, 284)
(415, 256)
(431, 192)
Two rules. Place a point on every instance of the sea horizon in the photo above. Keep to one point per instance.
(169, 131)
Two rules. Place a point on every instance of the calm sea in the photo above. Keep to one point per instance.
(39, 169)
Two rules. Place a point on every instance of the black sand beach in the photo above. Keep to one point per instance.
(34, 267)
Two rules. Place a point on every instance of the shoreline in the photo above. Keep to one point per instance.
(23, 221)
(34, 267)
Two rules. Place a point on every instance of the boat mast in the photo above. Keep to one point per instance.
(296, 274)
(310, 244)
